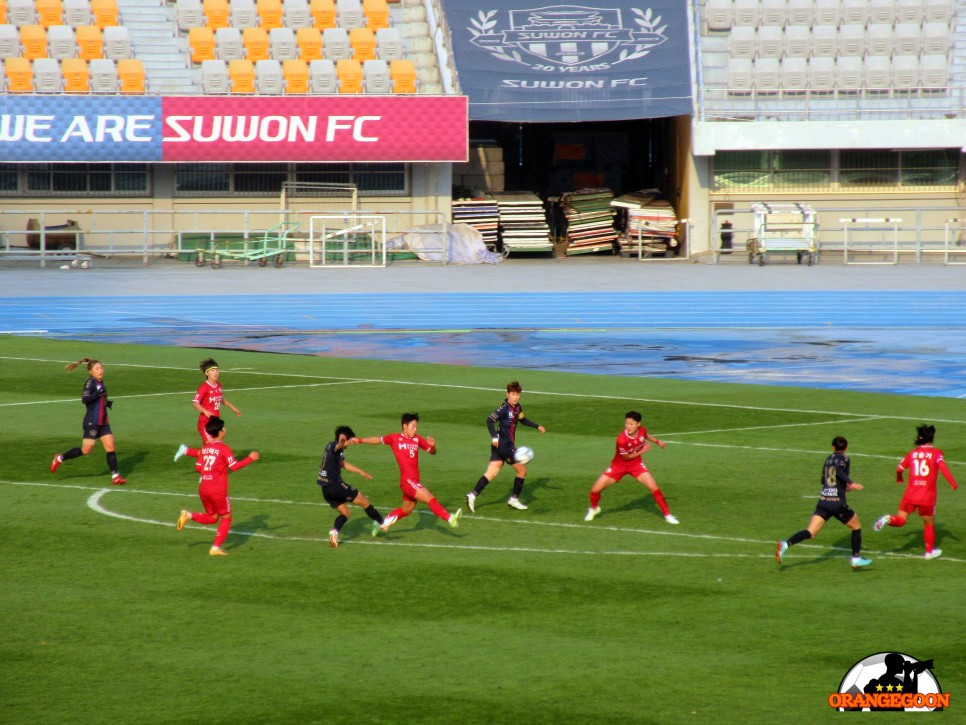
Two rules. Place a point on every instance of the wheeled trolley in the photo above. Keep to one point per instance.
(272, 244)
(783, 228)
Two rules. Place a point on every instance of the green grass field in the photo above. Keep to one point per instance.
(111, 615)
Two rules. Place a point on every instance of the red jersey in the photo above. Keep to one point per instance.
(627, 445)
(210, 397)
(925, 463)
(406, 451)
(215, 460)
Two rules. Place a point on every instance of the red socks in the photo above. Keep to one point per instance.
(929, 534)
(662, 504)
(437, 508)
(223, 526)
(398, 513)
(594, 500)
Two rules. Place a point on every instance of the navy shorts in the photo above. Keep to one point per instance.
(840, 511)
(339, 493)
(93, 431)
(503, 452)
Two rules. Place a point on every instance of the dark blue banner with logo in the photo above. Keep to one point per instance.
(603, 61)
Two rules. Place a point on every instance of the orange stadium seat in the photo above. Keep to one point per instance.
(217, 13)
(271, 13)
(377, 14)
(323, 13)
(90, 42)
(202, 44)
(3, 12)
(350, 76)
(363, 42)
(310, 43)
(242, 76)
(20, 75)
(130, 73)
(257, 44)
(296, 74)
(403, 73)
(49, 12)
(77, 76)
(33, 38)
(104, 13)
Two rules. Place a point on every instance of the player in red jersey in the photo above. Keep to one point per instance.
(209, 398)
(215, 460)
(406, 447)
(97, 427)
(633, 441)
(925, 462)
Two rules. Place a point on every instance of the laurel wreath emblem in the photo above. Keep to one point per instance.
(647, 22)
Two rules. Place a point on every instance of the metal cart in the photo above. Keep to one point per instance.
(272, 244)
(784, 228)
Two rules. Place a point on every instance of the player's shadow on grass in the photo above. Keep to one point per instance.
(495, 496)
(242, 531)
(909, 539)
(645, 506)
(424, 520)
(835, 553)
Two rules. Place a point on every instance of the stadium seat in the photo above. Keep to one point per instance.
(130, 75)
(376, 76)
(909, 11)
(798, 41)
(879, 39)
(33, 41)
(403, 74)
(350, 76)
(103, 75)
(283, 44)
(77, 13)
(794, 75)
(310, 43)
(9, 42)
(798, 12)
(905, 73)
(335, 44)
(90, 42)
(243, 14)
(20, 13)
(349, 15)
(296, 74)
(718, 14)
(217, 13)
(228, 44)
(268, 77)
(214, 77)
(937, 11)
(821, 75)
(854, 12)
(906, 39)
(77, 75)
(848, 74)
(104, 14)
(60, 42)
(935, 39)
(20, 75)
(363, 42)
(256, 44)
(744, 41)
(47, 77)
(745, 12)
(389, 45)
(202, 44)
(771, 41)
(934, 72)
(740, 77)
(188, 14)
(772, 12)
(297, 14)
(825, 41)
(851, 40)
(882, 11)
(878, 74)
(49, 12)
(322, 77)
(768, 78)
(323, 13)
(117, 42)
(826, 12)
(376, 13)
(241, 73)
(271, 14)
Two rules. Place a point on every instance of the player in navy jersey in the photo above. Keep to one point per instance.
(836, 480)
(96, 424)
(502, 424)
(337, 493)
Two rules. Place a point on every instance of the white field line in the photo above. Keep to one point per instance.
(772, 427)
(94, 502)
(592, 396)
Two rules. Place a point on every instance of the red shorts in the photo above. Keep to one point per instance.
(409, 488)
(216, 501)
(924, 510)
(632, 468)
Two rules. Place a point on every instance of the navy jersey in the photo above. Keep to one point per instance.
(502, 422)
(95, 398)
(835, 477)
(330, 469)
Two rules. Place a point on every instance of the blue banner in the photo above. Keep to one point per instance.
(606, 61)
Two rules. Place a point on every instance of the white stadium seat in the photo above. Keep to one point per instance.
(798, 12)
(937, 11)
(297, 14)
(906, 39)
(771, 41)
(322, 77)
(740, 76)
(935, 39)
(349, 14)
(718, 14)
(905, 72)
(188, 14)
(268, 77)
(848, 74)
(821, 75)
(854, 12)
(746, 12)
(77, 12)
(882, 11)
(283, 44)
(376, 79)
(852, 40)
(335, 44)
(825, 41)
(60, 42)
(768, 76)
(744, 41)
(389, 45)
(880, 39)
(214, 76)
(117, 42)
(878, 74)
(228, 44)
(772, 12)
(826, 12)
(794, 75)
(9, 42)
(798, 41)
(244, 14)
(909, 11)
(934, 72)
(47, 77)
(103, 75)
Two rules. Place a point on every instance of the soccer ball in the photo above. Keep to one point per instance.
(523, 455)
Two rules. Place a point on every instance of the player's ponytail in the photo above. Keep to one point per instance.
(89, 361)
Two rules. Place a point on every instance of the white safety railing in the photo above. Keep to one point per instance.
(954, 249)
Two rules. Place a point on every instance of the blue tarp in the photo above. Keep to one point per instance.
(606, 61)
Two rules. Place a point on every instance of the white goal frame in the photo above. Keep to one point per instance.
(330, 234)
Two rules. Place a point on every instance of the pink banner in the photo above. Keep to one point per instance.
(315, 128)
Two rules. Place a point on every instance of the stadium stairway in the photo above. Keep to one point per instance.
(156, 45)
